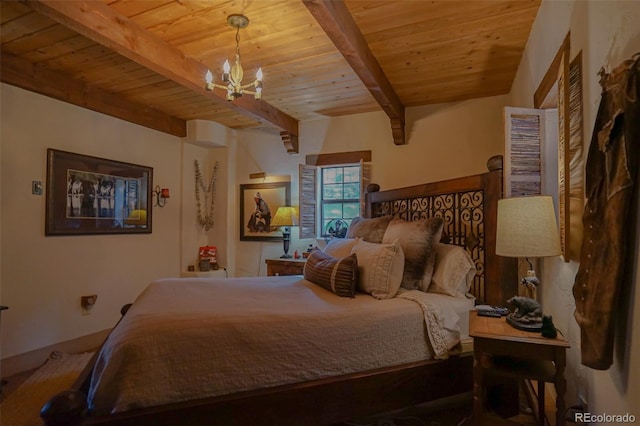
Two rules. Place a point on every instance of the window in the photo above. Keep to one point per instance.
(332, 189)
(339, 199)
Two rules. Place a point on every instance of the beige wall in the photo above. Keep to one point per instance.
(607, 32)
(42, 278)
(444, 141)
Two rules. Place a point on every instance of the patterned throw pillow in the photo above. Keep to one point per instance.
(338, 275)
(416, 239)
(370, 230)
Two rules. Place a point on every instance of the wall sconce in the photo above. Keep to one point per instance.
(260, 175)
(161, 196)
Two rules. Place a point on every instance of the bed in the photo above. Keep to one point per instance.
(158, 364)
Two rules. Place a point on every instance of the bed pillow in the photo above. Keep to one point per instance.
(380, 268)
(416, 239)
(371, 230)
(454, 271)
(338, 275)
(339, 247)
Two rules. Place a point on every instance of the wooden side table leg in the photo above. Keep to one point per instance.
(478, 397)
(561, 386)
(541, 411)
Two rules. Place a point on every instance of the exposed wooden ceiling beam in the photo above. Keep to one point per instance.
(337, 22)
(21, 73)
(102, 24)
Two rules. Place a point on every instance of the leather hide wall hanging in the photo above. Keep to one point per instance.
(606, 260)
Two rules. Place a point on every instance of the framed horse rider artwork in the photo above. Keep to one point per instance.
(258, 205)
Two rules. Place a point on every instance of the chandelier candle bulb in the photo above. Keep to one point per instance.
(226, 68)
(208, 78)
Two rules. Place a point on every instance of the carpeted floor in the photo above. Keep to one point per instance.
(22, 406)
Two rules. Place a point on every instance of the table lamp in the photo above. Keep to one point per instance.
(286, 217)
(527, 228)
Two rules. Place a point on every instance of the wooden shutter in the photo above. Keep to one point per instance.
(524, 134)
(308, 201)
(365, 180)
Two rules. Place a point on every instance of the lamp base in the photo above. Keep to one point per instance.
(286, 239)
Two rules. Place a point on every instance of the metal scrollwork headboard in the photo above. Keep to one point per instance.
(468, 207)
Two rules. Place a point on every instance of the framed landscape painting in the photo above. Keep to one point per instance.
(91, 195)
(258, 205)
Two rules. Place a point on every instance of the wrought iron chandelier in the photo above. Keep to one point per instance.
(232, 75)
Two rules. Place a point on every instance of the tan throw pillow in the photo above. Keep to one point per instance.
(454, 271)
(339, 247)
(380, 268)
(416, 239)
(338, 275)
(371, 230)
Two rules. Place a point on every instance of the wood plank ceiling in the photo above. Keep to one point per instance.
(144, 61)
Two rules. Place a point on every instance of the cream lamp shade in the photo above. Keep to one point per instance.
(527, 227)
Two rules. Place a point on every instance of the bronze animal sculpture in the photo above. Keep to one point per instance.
(527, 310)
(527, 316)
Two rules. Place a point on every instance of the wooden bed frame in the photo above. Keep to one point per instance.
(468, 206)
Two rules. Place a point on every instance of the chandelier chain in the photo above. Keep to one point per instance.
(238, 42)
(206, 219)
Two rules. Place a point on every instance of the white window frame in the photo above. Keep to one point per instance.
(310, 187)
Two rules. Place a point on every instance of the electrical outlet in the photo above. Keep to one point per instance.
(36, 187)
(87, 302)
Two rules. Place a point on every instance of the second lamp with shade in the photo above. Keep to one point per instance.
(527, 227)
(285, 217)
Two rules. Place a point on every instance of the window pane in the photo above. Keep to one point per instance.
(352, 174)
(340, 191)
(350, 210)
(352, 191)
(332, 192)
(332, 175)
(331, 211)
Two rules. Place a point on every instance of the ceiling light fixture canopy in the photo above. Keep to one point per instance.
(232, 75)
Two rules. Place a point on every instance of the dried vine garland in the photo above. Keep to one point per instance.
(206, 220)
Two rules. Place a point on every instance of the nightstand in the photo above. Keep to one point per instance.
(285, 266)
(503, 351)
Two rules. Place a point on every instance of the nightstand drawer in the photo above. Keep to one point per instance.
(285, 266)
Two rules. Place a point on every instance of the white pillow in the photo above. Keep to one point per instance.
(454, 271)
(339, 247)
(380, 268)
